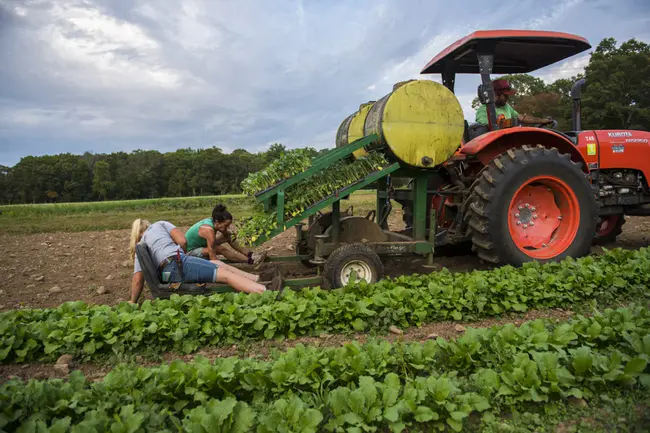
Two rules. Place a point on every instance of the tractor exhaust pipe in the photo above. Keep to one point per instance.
(576, 95)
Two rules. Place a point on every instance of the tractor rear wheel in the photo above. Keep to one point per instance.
(609, 227)
(532, 203)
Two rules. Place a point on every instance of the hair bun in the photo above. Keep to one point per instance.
(220, 208)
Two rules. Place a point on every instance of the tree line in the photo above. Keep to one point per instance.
(135, 175)
(617, 97)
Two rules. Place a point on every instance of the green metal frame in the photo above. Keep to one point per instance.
(276, 193)
(332, 199)
(318, 164)
(273, 199)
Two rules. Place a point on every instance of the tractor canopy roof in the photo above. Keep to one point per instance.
(515, 51)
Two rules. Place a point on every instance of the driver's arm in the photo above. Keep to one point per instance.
(531, 120)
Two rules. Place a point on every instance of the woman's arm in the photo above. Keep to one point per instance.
(208, 233)
(137, 283)
(179, 238)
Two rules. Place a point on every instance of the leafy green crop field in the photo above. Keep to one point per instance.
(434, 386)
(498, 379)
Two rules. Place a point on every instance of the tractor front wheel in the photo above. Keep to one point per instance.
(532, 203)
(608, 229)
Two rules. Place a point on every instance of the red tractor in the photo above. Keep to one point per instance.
(519, 193)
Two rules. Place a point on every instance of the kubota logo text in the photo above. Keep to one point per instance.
(619, 134)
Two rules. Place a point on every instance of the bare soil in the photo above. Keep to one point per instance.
(45, 270)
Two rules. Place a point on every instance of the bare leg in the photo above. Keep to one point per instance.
(228, 253)
(234, 270)
(238, 247)
(239, 283)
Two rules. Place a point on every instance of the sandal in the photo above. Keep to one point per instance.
(258, 259)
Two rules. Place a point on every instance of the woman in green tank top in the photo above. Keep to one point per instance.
(206, 237)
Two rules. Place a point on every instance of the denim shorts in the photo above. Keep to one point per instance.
(195, 270)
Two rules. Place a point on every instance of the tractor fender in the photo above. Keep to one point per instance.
(488, 146)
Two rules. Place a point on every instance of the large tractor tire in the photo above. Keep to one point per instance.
(608, 229)
(532, 203)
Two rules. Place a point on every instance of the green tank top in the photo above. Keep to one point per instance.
(195, 241)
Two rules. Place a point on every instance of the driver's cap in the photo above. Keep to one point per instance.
(503, 87)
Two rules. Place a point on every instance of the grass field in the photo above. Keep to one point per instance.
(109, 215)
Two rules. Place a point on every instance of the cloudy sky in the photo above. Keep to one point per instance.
(108, 75)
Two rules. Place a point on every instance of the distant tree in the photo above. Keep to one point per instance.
(102, 183)
(275, 151)
(618, 86)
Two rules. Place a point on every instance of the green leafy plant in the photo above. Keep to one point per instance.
(251, 228)
(308, 192)
(377, 386)
(324, 183)
(288, 164)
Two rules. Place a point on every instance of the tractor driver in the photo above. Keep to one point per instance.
(505, 113)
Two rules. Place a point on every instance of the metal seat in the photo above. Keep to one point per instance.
(165, 290)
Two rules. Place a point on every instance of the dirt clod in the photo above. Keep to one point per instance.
(432, 336)
(459, 328)
(64, 359)
(62, 368)
(579, 402)
(39, 278)
(55, 289)
(110, 277)
(395, 330)
(101, 290)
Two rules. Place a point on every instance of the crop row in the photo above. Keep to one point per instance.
(419, 386)
(184, 324)
(158, 204)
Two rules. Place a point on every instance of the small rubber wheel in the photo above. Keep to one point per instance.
(353, 259)
(608, 228)
(532, 203)
(303, 249)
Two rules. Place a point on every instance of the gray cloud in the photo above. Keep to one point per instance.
(106, 75)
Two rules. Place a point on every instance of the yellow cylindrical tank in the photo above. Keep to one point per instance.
(421, 122)
(342, 132)
(351, 129)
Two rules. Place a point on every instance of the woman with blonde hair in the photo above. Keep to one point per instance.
(167, 245)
